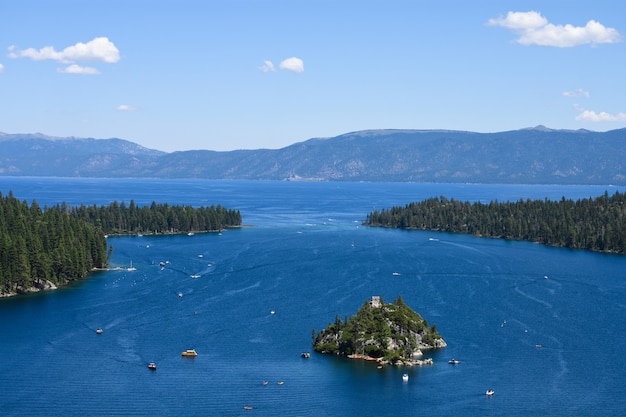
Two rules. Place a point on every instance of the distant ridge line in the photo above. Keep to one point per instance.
(536, 155)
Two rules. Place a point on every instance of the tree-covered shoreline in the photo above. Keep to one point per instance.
(43, 248)
(388, 333)
(50, 247)
(597, 224)
(131, 219)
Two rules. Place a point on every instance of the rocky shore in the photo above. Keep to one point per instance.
(38, 285)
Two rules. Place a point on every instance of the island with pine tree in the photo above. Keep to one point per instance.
(385, 333)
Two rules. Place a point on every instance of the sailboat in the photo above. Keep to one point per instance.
(131, 267)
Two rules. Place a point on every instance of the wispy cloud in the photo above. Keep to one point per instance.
(98, 49)
(267, 66)
(534, 29)
(592, 116)
(1, 68)
(577, 93)
(292, 64)
(77, 69)
(125, 107)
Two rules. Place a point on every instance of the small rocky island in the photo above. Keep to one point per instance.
(386, 333)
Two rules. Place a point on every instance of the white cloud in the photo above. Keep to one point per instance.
(520, 21)
(77, 69)
(267, 66)
(98, 49)
(126, 107)
(292, 64)
(577, 93)
(534, 29)
(592, 116)
(1, 68)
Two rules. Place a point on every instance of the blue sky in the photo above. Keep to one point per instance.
(249, 74)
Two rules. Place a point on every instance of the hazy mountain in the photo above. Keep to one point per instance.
(532, 155)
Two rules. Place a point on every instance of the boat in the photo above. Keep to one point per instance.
(152, 366)
(306, 355)
(265, 383)
(131, 267)
(99, 330)
(405, 377)
(190, 352)
(280, 382)
(489, 393)
(194, 276)
(180, 294)
(247, 407)
(395, 274)
(454, 362)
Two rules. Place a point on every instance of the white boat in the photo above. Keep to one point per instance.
(454, 362)
(195, 276)
(405, 377)
(489, 393)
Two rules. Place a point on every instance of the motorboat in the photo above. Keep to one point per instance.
(152, 366)
(306, 355)
(190, 353)
(454, 361)
(405, 377)
(489, 393)
(99, 330)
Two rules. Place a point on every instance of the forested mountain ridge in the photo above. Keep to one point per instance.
(597, 224)
(532, 156)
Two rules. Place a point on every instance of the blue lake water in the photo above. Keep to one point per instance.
(305, 256)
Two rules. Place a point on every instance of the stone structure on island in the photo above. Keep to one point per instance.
(385, 333)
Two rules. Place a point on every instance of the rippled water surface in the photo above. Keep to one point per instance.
(305, 256)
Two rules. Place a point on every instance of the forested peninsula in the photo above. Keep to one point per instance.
(597, 224)
(124, 219)
(44, 248)
(41, 249)
(387, 333)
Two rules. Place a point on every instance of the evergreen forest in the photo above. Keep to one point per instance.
(122, 218)
(597, 224)
(389, 331)
(38, 245)
(59, 244)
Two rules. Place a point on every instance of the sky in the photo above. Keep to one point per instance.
(222, 75)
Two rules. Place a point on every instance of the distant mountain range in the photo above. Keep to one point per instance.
(532, 156)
